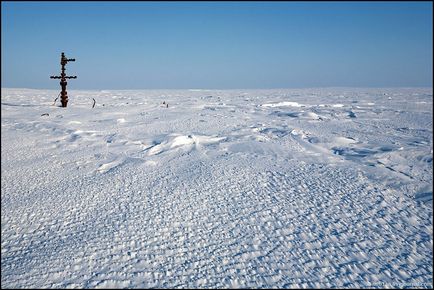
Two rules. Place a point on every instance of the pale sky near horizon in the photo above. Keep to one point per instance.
(217, 45)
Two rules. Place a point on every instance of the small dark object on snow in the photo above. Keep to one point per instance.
(56, 99)
(94, 102)
(63, 77)
(45, 114)
(167, 105)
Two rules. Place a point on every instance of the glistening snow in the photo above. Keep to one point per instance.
(221, 189)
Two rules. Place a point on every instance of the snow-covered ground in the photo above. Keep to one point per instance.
(221, 189)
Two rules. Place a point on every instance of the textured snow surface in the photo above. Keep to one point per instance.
(221, 189)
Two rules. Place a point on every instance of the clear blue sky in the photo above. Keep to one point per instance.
(218, 45)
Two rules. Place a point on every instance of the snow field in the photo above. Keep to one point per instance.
(222, 189)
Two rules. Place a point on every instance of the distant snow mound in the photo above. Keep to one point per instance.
(188, 142)
(283, 104)
(310, 115)
(302, 115)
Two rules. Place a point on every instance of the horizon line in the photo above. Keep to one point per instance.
(231, 89)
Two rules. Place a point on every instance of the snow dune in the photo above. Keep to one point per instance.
(283, 104)
(222, 189)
